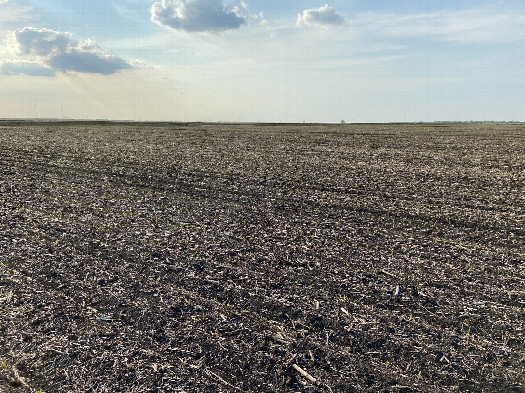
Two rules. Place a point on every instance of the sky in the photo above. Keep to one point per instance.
(263, 60)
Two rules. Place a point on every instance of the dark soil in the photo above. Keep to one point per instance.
(249, 258)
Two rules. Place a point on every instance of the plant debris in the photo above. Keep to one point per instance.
(261, 258)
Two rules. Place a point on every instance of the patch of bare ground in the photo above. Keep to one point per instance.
(244, 258)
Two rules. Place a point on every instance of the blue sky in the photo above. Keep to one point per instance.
(263, 60)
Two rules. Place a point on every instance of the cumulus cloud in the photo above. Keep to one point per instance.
(210, 16)
(21, 67)
(242, 11)
(324, 16)
(59, 52)
(87, 62)
(38, 42)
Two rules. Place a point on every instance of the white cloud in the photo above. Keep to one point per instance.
(210, 16)
(242, 11)
(3, 1)
(324, 16)
(38, 42)
(59, 52)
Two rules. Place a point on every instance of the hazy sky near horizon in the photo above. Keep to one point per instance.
(263, 60)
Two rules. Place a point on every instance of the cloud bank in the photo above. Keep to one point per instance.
(209, 16)
(324, 16)
(58, 52)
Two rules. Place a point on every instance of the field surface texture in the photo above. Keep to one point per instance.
(248, 258)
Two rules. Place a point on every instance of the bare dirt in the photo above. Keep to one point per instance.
(250, 258)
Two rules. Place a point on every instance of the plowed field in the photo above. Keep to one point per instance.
(262, 258)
